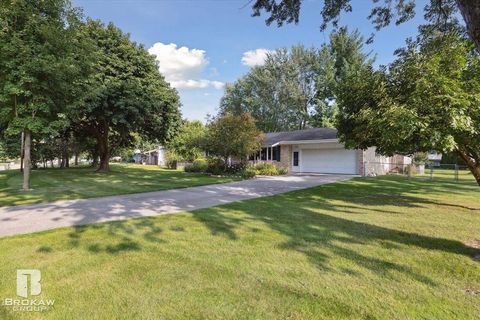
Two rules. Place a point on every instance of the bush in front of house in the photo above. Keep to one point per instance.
(216, 166)
(268, 169)
(199, 165)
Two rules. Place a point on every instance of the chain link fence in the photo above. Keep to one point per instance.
(429, 171)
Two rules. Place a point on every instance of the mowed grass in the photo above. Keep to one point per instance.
(83, 182)
(374, 248)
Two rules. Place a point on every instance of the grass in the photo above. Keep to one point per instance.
(83, 182)
(374, 248)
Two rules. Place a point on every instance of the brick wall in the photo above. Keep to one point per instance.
(285, 157)
(361, 162)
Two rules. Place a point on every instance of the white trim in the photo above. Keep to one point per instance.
(305, 142)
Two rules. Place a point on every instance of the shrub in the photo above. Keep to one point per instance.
(248, 173)
(199, 165)
(268, 169)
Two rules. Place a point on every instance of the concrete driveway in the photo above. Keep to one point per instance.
(33, 218)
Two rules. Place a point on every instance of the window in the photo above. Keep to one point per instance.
(295, 159)
(276, 153)
(263, 154)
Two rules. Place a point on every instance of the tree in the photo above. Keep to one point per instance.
(40, 62)
(235, 136)
(128, 95)
(344, 52)
(187, 143)
(441, 12)
(426, 100)
(295, 88)
(280, 95)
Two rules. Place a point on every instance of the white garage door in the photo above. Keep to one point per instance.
(328, 161)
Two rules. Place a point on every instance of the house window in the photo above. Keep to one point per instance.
(264, 154)
(295, 159)
(276, 153)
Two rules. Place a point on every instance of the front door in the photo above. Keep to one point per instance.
(296, 161)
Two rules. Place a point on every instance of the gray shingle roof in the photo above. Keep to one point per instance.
(306, 134)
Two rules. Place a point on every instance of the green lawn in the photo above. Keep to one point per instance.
(84, 182)
(374, 248)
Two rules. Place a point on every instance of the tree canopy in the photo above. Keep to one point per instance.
(128, 95)
(41, 61)
(231, 135)
(441, 13)
(427, 99)
(295, 88)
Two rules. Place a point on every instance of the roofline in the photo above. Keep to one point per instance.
(305, 142)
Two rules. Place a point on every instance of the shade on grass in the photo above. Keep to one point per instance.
(83, 182)
(377, 248)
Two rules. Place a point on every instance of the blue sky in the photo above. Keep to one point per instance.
(215, 35)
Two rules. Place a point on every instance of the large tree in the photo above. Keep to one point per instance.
(384, 12)
(187, 144)
(128, 95)
(234, 136)
(41, 56)
(427, 99)
(295, 88)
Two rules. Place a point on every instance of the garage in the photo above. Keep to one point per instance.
(327, 161)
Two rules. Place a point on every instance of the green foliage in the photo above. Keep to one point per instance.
(188, 141)
(128, 95)
(248, 173)
(441, 14)
(420, 158)
(234, 136)
(426, 100)
(296, 88)
(199, 165)
(267, 169)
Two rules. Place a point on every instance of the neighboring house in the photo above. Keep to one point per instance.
(319, 151)
(152, 157)
(434, 158)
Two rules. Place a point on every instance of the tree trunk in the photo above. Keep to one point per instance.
(470, 10)
(76, 159)
(27, 160)
(471, 164)
(22, 150)
(104, 152)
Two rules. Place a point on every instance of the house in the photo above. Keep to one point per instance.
(153, 157)
(434, 158)
(318, 150)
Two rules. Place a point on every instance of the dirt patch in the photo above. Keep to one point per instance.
(475, 244)
(473, 292)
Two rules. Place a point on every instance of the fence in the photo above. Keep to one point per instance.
(429, 171)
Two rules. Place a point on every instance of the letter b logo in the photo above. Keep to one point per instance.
(22, 282)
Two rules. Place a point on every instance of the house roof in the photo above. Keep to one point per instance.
(272, 138)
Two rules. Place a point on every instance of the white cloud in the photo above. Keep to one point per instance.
(196, 84)
(255, 57)
(183, 67)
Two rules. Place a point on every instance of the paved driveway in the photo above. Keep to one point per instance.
(32, 218)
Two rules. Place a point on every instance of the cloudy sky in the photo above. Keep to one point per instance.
(203, 44)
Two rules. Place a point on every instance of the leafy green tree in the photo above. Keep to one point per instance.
(442, 13)
(187, 145)
(128, 95)
(426, 100)
(280, 95)
(234, 136)
(296, 88)
(40, 63)
(342, 53)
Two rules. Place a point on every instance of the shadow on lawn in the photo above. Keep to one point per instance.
(303, 218)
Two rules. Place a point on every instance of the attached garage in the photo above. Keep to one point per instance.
(337, 160)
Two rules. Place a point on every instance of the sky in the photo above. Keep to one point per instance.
(201, 45)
